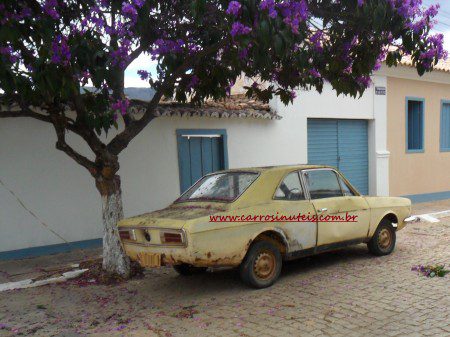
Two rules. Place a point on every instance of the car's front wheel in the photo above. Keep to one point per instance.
(383, 240)
(262, 265)
(187, 270)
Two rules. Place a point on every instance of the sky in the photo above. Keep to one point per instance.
(144, 62)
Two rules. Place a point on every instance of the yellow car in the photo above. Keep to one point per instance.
(255, 218)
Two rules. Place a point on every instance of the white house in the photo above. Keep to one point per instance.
(175, 150)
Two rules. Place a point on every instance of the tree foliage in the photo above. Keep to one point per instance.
(51, 49)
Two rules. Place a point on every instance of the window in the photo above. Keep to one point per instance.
(220, 187)
(414, 125)
(200, 152)
(345, 188)
(322, 184)
(290, 188)
(445, 126)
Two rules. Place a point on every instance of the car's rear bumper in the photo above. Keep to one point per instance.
(155, 256)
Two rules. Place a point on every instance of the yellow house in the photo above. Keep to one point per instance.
(418, 132)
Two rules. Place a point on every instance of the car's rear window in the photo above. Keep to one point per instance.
(219, 187)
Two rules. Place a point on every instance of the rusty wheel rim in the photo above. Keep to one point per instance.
(384, 238)
(264, 266)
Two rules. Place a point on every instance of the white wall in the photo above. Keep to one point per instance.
(63, 194)
(311, 104)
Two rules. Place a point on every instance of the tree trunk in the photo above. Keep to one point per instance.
(114, 259)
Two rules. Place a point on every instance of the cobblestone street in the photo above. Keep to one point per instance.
(344, 293)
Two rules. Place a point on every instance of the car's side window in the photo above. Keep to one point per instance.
(322, 184)
(346, 189)
(290, 188)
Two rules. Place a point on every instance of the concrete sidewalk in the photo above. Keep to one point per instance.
(431, 207)
(44, 266)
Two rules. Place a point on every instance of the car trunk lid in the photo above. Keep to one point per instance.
(175, 216)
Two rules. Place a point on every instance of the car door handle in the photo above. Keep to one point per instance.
(322, 210)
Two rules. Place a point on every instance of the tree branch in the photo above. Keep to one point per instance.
(62, 145)
(121, 141)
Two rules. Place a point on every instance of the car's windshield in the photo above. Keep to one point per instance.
(220, 187)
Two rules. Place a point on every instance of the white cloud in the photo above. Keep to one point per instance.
(143, 62)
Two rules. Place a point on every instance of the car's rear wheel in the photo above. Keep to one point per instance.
(383, 240)
(187, 270)
(262, 265)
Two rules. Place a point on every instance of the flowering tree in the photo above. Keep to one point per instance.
(51, 49)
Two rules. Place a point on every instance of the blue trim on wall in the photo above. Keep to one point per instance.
(422, 149)
(443, 126)
(426, 197)
(50, 249)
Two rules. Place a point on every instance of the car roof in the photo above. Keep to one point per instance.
(278, 168)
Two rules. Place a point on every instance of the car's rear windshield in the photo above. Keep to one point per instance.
(224, 187)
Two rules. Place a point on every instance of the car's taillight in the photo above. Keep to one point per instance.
(172, 238)
(126, 234)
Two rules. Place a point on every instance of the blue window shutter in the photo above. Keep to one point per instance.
(205, 152)
(184, 162)
(415, 125)
(196, 159)
(445, 126)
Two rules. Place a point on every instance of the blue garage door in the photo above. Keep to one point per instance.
(343, 144)
(200, 152)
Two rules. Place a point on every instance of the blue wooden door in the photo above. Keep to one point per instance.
(199, 154)
(342, 143)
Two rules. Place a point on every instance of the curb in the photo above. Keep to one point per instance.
(30, 283)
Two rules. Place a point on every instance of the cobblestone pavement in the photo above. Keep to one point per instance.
(344, 293)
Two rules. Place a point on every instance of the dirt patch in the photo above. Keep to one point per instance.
(96, 274)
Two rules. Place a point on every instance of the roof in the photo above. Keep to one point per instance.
(442, 65)
(235, 106)
(277, 168)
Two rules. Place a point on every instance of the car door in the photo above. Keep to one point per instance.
(343, 215)
(291, 202)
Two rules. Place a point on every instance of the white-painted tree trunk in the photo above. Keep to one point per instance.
(114, 258)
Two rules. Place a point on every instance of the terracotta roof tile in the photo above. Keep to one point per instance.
(443, 65)
(235, 106)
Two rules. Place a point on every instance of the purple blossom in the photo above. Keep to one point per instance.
(49, 8)
(360, 3)
(138, 3)
(234, 7)
(364, 81)
(316, 40)
(121, 55)
(163, 46)
(129, 11)
(239, 29)
(121, 105)
(60, 51)
(143, 74)
(243, 53)
(313, 72)
(293, 13)
(269, 5)
(293, 94)
(194, 82)
(9, 53)
(435, 50)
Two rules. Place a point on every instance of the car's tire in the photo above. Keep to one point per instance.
(188, 270)
(262, 265)
(383, 240)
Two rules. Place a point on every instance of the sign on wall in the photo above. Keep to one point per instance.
(380, 91)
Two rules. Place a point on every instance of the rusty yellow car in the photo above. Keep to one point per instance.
(256, 218)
